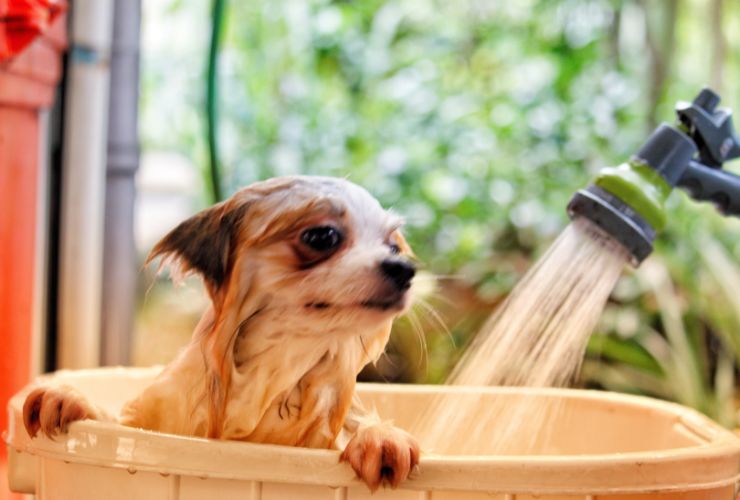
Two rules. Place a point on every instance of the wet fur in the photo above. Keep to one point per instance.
(275, 357)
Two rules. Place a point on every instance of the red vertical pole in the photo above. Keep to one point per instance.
(27, 83)
(18, 192)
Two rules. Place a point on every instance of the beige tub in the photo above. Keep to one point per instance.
(611, 446)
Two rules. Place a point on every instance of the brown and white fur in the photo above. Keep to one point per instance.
(275, 357)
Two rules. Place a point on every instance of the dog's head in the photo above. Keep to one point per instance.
(304, 255)
(322, 248)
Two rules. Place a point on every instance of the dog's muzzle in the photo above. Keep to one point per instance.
(398, 272)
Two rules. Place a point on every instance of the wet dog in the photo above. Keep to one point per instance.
(305, 277)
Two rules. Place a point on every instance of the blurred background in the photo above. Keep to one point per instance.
(476, 120)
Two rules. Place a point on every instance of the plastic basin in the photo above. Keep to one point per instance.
(604, 445)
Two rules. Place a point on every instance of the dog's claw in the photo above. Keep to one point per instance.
(51, 410)
(382, 454)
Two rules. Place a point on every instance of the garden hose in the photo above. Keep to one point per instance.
(214, 168)
(628, 201)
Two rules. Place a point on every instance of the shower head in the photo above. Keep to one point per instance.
(628, 201)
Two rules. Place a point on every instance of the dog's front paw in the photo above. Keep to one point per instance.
(382, 454)
(51, 409)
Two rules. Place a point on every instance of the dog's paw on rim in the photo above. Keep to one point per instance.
(51, 409)
(382, 455)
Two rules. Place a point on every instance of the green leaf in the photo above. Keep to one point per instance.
(628, 351)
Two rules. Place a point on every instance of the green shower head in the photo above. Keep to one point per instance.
(628, 201)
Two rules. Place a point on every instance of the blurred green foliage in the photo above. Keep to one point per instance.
(477, 120)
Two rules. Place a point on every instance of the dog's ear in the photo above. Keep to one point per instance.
(203, 244)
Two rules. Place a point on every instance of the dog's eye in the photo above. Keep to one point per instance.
(395, 249)
(322, 238)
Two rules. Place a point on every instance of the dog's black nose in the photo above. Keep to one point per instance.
(399, 272)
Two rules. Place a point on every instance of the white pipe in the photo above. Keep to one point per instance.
(83, 184)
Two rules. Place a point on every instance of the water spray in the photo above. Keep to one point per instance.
(628, 201)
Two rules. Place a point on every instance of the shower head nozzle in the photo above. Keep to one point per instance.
(627, 202)
(616, 218)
